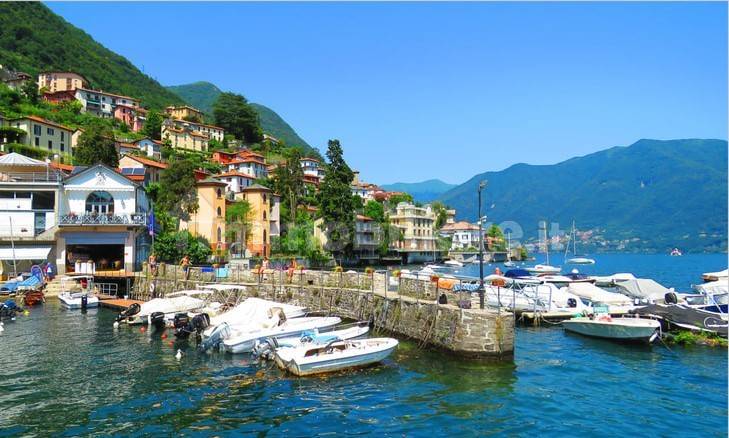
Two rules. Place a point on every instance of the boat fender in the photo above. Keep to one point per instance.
(671, 298)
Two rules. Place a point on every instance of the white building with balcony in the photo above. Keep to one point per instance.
(103, 219)
(417, 241)
(29, 192)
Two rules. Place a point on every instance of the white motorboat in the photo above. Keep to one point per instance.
(335, 356)
(565, 280)
(141, 314)
(245, 339)
(78, 292)
(543, 269)
(622, 329)
(313, 337)
(453, 263)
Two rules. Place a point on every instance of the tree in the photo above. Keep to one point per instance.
(375, 211)
(96, 145)
(153, 125)
(237, 218)
(441, 214)
(233, 113)
(179, 192)
(171, 247)
(336, 203)
(30, 91)
(289, 182)
(495, 238)
(400, 197)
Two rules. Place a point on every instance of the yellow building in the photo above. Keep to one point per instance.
(44, 134)
(183, 112)
(53, 81)
(209, 220)
(418, 241)
(181, 138)
(260, 199)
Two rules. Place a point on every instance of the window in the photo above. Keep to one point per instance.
(50, 131)
(100, 202)
(264, 214)
(220, 193)
(43, 201)
(62, 148)
(36, 130)
(220, 234)
(50, 144)
(63, 136)
(220, 213)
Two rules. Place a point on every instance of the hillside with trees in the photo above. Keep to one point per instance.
(34, 39)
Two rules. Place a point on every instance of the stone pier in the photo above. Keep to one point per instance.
(472, 333)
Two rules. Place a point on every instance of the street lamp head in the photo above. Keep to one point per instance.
(482, 185)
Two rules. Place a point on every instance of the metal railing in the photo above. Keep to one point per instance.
(10, 177)
(103, 219)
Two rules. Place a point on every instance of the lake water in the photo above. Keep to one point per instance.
(66, 373)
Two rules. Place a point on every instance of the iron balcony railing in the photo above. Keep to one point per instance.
(138, 219)
(11, 177)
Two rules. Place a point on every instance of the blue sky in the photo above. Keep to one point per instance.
(443, 90)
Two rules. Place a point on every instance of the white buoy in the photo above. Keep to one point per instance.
(116, 324)
(179, 354)
(2, 329)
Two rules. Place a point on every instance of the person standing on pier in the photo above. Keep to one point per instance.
(185, 263)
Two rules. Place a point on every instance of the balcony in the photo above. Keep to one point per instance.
(30, 177)
(110, 219)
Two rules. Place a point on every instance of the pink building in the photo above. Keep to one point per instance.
(132, 116)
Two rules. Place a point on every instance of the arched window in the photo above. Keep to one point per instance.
(220, 234)
(220, 194)
(100, 202)
(220, 212)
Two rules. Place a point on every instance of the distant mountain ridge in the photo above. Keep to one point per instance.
(202, 95)
(648, 197)
(424, 191)
(34, 39)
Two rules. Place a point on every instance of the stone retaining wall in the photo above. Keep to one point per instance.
(466, 332)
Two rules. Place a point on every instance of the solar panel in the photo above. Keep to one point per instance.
(127, 170)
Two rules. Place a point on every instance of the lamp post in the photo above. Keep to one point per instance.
(481, 186)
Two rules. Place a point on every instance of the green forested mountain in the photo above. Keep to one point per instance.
(649, 196)
(34, 39)
(424, 191)
(202, 95)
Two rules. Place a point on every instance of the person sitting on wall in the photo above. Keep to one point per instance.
(152, 261)
(292, 268)
(185, 263)
(498, 282)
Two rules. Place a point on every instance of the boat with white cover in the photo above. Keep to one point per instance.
(78, 292)
(622, 329)
(181, 302)
(252, 311)
(335, 356)
(543, 269)
(595, 294)
(244, 339)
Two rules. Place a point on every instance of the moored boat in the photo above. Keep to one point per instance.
(32, 298)
(335, 356)
(78, 292)
(621, 329)
(245, 339)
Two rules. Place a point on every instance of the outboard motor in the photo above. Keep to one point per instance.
(221, 332)
(182, 323)
(129, 311)
(157, 319)
(671, 298)
(84, 302)
(8, 309)
(571, 302)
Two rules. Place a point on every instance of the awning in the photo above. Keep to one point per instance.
(25, 253)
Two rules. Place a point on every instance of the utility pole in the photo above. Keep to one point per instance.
(481, 291)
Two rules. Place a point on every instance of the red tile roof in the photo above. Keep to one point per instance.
(234, 173)
(147, 161)
(47, 122)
